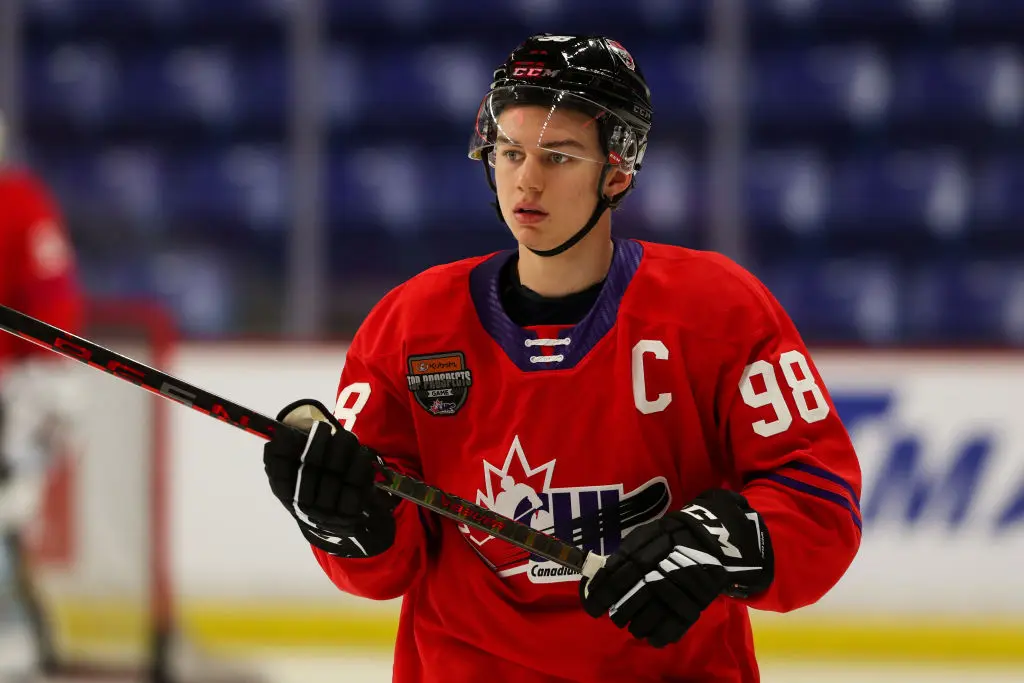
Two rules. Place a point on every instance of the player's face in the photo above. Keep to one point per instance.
(546, 169)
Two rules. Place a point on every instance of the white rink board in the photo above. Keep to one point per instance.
(230, 537)
(950, 411)
(242, 544)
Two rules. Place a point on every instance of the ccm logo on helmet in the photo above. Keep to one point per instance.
(642, 112)
(531, 71)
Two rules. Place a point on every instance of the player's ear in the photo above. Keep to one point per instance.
(616, 182)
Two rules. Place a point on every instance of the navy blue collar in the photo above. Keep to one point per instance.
(483, 287)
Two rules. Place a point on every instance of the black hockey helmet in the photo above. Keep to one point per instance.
(592, 74)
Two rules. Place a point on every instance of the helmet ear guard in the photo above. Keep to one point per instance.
(631, 157)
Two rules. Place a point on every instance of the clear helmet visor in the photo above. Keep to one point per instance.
(520, 118)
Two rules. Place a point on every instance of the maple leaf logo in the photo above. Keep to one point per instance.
(517, 491)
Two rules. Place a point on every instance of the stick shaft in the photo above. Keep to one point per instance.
(246, 419)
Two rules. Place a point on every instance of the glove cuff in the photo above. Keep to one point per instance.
(303, 413)
(375, 542)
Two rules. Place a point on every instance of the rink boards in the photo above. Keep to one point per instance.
(941, 441)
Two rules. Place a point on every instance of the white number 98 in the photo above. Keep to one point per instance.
(772, 395)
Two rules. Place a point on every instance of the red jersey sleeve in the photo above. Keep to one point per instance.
(790, 454)
(372, 406)
(42, 273)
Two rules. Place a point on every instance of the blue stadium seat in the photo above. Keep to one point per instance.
(263, 88)
(72, 178)
(233, 14)
(131, 181)
(387, 15)
(221, 189)
(1004, 13)
(962, 87)
(866, 12)
(679, 80)
(407, 89)
(1001, 71)
(118, 186)
(856, 299)
(199, 84)
(667, 202)
(999, 193)
(345, 88)
(453, 78)
(979, 300)
(196, 286)
(965, 302)
(154, 14)
(824, 85)
(81, 13)
(377, 186)
(405, 190)
(458, 195)
(95, 86)
(660, 14)
(75, 83)
(839, 300)
(918, 190)
(875, 13)
(468, 15)
(786, 280)
(788, 188)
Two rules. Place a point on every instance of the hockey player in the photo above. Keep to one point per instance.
(37, 276)
(651, 403)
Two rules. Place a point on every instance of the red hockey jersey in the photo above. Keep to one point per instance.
(37, 266)
(686, 375)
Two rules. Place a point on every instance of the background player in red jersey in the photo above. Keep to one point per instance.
(651, 403)
(37, 396)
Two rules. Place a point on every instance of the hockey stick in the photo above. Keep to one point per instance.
(166, 386)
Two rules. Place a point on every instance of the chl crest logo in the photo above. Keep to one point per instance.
(439, 381)
(594, 518)
(622, 54)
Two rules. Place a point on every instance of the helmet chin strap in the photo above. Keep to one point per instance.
(602, 204)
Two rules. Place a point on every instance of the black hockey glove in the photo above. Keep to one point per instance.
(326, 482)
(667, 571)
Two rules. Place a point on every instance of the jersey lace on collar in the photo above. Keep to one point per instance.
(517, 320)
